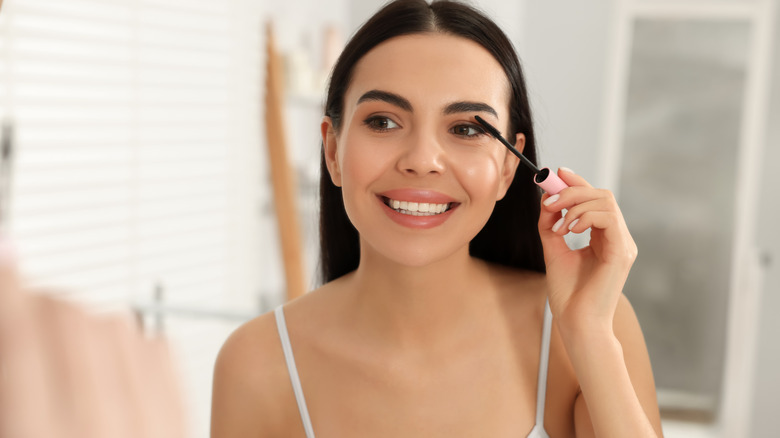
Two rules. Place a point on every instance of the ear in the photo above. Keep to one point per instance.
(510, 166)
(329, 145)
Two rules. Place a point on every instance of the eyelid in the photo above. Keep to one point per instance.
(480, 131)
(373, 117)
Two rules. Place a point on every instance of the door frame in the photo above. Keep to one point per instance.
(734, 411)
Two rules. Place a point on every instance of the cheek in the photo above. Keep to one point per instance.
(479, 175)
(361, 164)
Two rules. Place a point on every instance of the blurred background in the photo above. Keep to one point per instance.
(138, 172)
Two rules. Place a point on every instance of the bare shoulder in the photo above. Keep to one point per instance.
(250, 382)
(252, 394)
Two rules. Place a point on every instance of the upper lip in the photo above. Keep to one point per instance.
(417, 195)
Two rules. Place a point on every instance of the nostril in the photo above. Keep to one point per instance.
(421, 160)
(421, 172)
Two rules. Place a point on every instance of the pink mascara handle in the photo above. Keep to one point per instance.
(549, 181)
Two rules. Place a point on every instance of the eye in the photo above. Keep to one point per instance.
(467, 130)
(380, 123)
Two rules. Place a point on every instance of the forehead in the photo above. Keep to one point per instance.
(431, 69)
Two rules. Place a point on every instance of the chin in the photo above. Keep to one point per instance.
(420, 256)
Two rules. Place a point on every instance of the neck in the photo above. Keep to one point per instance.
(426, 306)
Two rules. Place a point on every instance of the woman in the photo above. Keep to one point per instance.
(438, 257)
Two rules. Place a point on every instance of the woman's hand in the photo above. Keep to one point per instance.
(65, 373)
(585, 284)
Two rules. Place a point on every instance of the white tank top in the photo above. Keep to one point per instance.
(541, 385)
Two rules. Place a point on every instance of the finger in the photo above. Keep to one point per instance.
(572, 179)
(602, 220)
(610, 237)
(548, 216)
(572, 216)
(553, 244)
(572, 196)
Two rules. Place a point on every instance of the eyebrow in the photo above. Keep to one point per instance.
(386, 96)
(404, 104)
(469, 107)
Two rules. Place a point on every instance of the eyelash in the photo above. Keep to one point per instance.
(371, 122)
(479, 130)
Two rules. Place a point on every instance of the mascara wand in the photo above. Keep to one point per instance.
(544, 178)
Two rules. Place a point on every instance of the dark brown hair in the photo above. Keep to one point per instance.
(510, 237)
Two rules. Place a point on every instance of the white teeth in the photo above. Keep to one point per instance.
(417, 208)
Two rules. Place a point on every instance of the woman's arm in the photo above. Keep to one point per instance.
(616, 380)
(598, 327)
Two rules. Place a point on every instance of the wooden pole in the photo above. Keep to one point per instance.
(282, 177)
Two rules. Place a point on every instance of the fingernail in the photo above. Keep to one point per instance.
(552, 199)
(573, 223)
(557, 225)
(566, 169)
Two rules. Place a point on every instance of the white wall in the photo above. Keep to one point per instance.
(766, 404)
(564, 50)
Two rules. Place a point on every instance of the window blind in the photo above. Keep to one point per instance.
(139, 161)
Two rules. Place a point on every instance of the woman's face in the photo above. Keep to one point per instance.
(419, 177)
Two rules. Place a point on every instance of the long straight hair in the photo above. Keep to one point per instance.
(510, 237)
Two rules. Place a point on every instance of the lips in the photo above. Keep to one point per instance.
(417, 208)
(418, 195)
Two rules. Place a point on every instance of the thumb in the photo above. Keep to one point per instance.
(553, 244)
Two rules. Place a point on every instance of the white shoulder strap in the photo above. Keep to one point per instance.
(281, 326)
(541, 386)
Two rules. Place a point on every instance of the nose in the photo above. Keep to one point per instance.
(422, 155)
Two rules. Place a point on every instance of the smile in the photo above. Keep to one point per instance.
(416, 208)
